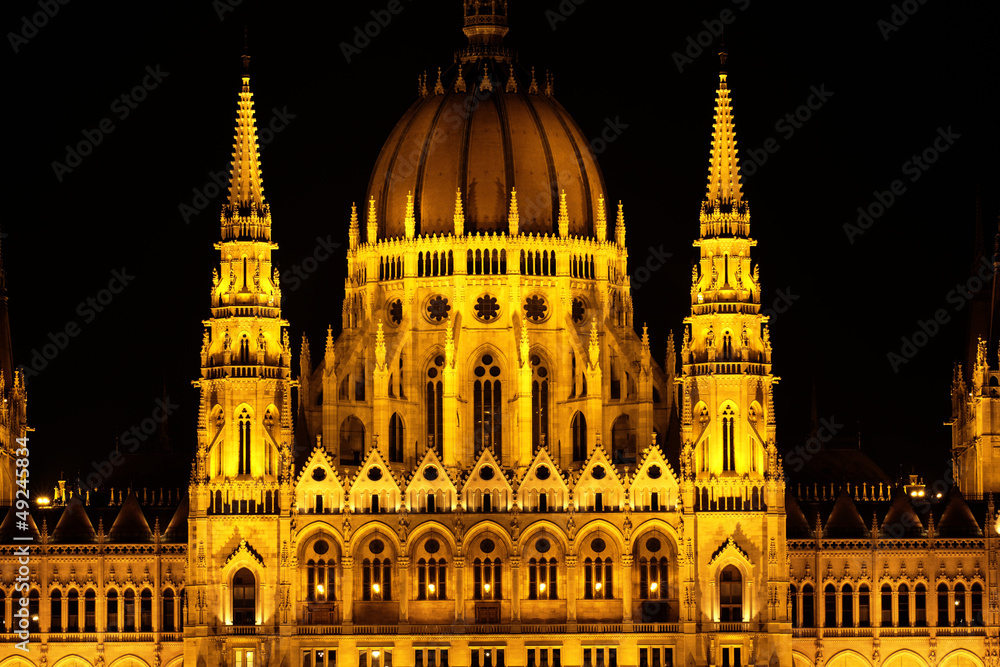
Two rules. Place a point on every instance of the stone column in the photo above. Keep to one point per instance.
(403, 590)
(347, 589)
(571, 590)
(627, 588)
(515, 588)
(459, 590)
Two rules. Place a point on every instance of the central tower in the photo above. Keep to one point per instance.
(732, 481)
(488, 302)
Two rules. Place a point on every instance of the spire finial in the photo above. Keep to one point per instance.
(513, 218)
(620, 226)
(246, 52)
(459, 215)
(563, 215)
(354, 231)
(372, 221)
(410, 221)
(601, 228)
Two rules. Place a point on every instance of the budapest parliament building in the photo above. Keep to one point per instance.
(496, 470)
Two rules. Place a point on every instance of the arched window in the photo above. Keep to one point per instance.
(128, 618)
(808, 607)
(903, 594)
(539, 401)
(396, 437)
(90, 611)
(847, 606)
(829, 606)
(432, 577)
(352, 441)
(942, 605)
(864, 606)
(244, 349)
(487, 578)
(376, 572)
(653, 583)
(244, 429)
(55, 611)
(320, 580)
(72, 611)
(728, 439)
(579, 426)
(146, 611)
(977, 604)
(434, 398)
(920, 606)
(960, 618)
(886, 605)
(793, 595)
(244, 598)
(33, 613)
(543, 579)
(3, 611)
(167, 615)
(727, 346)
(487, 407)
(598, 578)
(731, 595)
(112, 611)
(623, 441)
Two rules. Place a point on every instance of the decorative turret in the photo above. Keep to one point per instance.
(601, 226)
(620, 226)
(459, 215)
(485, 25)
(513, 218)
(563, 215)
(354, 231)
(410, 222)
(372, 223)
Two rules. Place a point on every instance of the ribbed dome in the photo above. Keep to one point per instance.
(485, 141)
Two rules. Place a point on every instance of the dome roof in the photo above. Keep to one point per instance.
(485, 130)
(844, 521)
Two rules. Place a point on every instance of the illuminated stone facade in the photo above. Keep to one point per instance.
(485, 481)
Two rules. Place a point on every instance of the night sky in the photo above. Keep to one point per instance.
(882, 93)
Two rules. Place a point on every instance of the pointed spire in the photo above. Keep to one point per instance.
(550, 83)
(487, 83)
(601, 226)
(724, 167)
(439, 87)
(513, 218)
(563, 215)
(305, 358)
(330, 353)
(246, 186)
(380, 350)
(645, 339)
(511, 83)
(459, 216)
(372, 222)
(410, 222)
(670, 363)
(422, 84)
(354, 231)
(533, 86)
(620, 226)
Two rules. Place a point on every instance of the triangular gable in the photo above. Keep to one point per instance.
(730, 548)
(329, 486)
(375, 479)
(498, 487)
(644, 484)
(244, 549)
(598, 476)
(431, 479)
(531, 485)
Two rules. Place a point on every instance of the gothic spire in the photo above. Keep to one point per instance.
(724, 168)
(246, 187)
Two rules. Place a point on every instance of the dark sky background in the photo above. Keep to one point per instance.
(119, 208)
